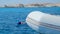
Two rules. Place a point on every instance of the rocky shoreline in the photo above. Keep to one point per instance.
(32, 5)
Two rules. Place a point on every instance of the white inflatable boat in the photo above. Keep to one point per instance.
(43, 22)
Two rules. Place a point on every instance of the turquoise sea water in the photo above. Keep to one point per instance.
(9, 17)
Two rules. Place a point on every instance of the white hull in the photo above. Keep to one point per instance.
(39, 21)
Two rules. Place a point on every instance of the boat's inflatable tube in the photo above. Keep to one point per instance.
(37, 20)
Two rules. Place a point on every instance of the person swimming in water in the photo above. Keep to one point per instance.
(19, 23)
